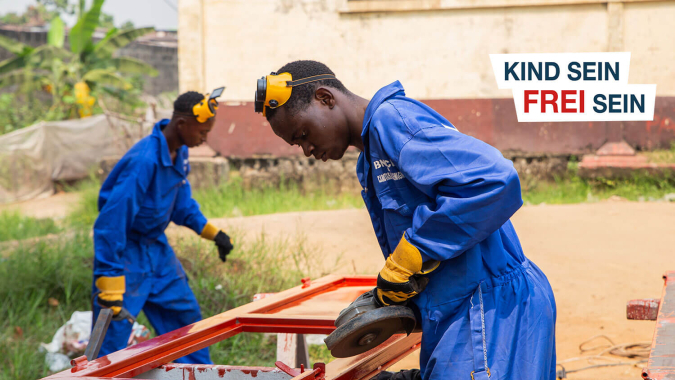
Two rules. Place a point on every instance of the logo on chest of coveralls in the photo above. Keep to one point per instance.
(389, 175)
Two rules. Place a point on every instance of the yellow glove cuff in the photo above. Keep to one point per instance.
(210, 231)
(112, 289)
(111, 285)
(405, 261)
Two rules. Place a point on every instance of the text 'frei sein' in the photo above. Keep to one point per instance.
(573, 87)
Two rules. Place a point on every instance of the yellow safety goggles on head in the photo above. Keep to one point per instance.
(206, 109)
(274, 90)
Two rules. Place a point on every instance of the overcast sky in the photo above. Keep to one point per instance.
(158, 13)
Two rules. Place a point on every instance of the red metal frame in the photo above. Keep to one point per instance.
(307, 309)
(661, 364)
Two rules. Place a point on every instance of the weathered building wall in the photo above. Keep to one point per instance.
(438, 49)
(436, 54)
(241, 132)
(162, 58)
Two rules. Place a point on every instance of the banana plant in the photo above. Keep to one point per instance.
(21, 51)
(86, 65)
(99, 55)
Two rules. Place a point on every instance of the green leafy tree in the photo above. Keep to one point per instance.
(34, 15)
(73, 77)
(128, 25)
(46, 10)
(59, 6)
(107, 21)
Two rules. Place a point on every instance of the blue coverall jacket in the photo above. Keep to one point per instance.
(488, 310)
(143, 193)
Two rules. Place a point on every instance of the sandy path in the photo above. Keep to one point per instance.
(57, 206)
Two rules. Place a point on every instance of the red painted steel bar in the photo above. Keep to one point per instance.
(661, 364)
(307, 309)
(369, 364)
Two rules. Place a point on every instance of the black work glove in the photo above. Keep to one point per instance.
(398, 293)
(124, 315)
(224, 244)
(404, 374)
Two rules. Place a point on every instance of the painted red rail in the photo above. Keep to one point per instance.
(307, 309)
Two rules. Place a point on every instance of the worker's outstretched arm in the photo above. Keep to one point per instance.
(187, 213)
(475, 190)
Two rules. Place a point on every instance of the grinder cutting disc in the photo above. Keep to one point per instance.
(369, 329)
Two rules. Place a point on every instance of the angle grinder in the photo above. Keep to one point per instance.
(365, 324)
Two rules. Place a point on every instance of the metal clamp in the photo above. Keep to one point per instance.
(317, 373)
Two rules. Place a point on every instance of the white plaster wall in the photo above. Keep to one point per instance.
(435, 54)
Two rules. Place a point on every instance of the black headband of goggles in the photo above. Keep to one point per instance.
(274, 90)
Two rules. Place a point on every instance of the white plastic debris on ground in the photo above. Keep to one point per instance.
(57, 362)
(71, 339)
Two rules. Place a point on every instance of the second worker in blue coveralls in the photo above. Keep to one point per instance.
(440, 203)
(134, 266)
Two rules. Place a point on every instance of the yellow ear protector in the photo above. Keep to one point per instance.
(206, 109)
(274, 90)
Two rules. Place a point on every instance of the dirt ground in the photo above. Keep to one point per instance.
(57, 206)
(597, 256)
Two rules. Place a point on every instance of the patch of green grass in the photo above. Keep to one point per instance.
(14, 226)
(233, 199)
(62, 269)
(319, 354)
(258, 265)
(85, 211)
(29, 277)
(574, 189)
(662, 156)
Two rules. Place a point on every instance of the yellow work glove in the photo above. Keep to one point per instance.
(403, 274)
(111, 293)
(223, 242)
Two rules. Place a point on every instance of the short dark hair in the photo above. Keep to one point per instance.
(185, 102)
(302, 95)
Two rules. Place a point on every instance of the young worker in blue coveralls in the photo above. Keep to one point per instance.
(134, 265)
(440, 203)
